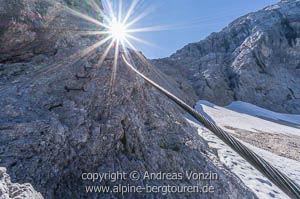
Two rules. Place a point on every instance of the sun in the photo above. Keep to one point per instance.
(116, 27)
(118, 31)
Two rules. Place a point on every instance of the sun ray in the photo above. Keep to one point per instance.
(98, 9)
(139, 40)
(136, 51)
(130, 11)
(139, 17)
(114, 68)
(127, 54)
(126, 41)
(149, 29)
(115, 62)
(67, 61)
(110, 9)
(93, 32)
(94, 46)
(83, 16)
(123, 46)
(100, 62)
(120, 11)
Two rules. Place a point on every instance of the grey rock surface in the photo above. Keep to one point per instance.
(9, 190)
(61, 116)
(31, 27)
(255, 59)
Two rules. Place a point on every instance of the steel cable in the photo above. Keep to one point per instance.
(274, 175)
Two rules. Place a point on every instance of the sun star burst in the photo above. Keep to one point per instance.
(116, 30)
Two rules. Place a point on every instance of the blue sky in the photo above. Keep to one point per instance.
(191, 21)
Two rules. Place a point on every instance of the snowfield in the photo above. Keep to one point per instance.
(250, 109)
(249, 118)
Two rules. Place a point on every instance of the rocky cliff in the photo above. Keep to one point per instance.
(61, 116)
(254, 59)
(9, 190)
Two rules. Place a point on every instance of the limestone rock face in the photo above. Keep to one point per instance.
(63, 115)
(9, 190)
(54, 127)
(255, 59)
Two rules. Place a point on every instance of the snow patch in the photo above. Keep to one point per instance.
(249, 117)
(273, 7)
(252, 178)
(243, 118)
(250, 109)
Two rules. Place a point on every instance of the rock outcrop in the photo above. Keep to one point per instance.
(62, 115)
(255, 59)
(9, 190)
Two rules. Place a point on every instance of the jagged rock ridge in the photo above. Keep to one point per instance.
(255, 59)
